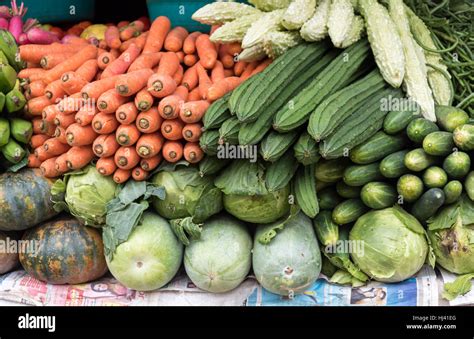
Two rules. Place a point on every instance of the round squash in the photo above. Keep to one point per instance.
(63, 251)
(25, 200)
(8, 259)
(220, 260)
(291, 262)
(150, 257)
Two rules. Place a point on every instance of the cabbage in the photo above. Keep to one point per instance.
(394, 245)
(87, 194)
(451, 233)
(246, 196)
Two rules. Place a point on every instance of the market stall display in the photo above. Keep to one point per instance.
(296, 138)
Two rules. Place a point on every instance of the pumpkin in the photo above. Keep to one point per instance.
(63, 251)
(25, 200)
(8, 256)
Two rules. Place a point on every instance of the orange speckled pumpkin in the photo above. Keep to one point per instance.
(66, 252)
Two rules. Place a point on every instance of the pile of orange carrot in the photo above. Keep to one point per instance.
(131, 103)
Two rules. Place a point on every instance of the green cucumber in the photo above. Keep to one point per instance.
(330, 80)
(457, 164)
(397, 121)
(464, 137)
(320, 185)
(279, 173)
(393, 165)
(252, 133)
(449, 118)
(469, 185)
(211, 165)
(306, 150)
(435, 176)
(366, 120)
(209, 142)
(452, 191)
(229, 132)
(376, 148)
(378, 195)
(348, 211)
(419, 128)
(359, 175)
(439, 143)
(304, 186)
(275, 144)
(346, 191)
(417, 160)
(326, 229)
(217, 113)
(328, 198)
(340, 105)
(330, 170)
(428, 204)
(4, 131)
(2, 101)
(410, 187)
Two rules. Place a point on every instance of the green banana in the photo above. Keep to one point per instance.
(9, 47)
(7, 78)
(13, 152)
(4, 131)
(15, 100)
(2, 101)
(3, 58)
(21, 130)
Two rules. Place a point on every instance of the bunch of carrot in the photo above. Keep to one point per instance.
(131, 104)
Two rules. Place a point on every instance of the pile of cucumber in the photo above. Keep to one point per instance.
(15, 133)
(411, 161)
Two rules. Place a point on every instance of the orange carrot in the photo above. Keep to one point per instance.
(47, 128)
(106, 166)
(175, 39)
(172, 129)
(54, 91)
(178, 76)
(226, 57)
(94, 89)
(222, 87)
(189, 45)
(205, 81)
(71, 104)
(121, 176)
(38, 140)
(71, 64)
(36, 88)
(122, 23)
(145, 61)
(127, 135)
(234, 48)
(129, 32)
(85, 115)
(194, 95)
(34, 53)
(27, 73)
(48, 168)
(214, 28)
(249, 69)
(190, 59)
(206, 51)
(192, 132)
(149, 145)
(36, 105)
(162, 84)
(126, 113)
(122, 63)
(143, 100)
(60, 134)
(169, 64)
(105, 59)
(217, 73)
(157, 35)
(50, 60)
(193, 111)
(33, 161)
(50, 112)
(110, 100)
(88, 70)
(78, 135)
(64, 120)
(139, 174)
(41, 154)
(149, 121)
(77, 40)
(193, 153)
(112, 37)
(60, 164)
(151, 163)
(261, 67)
(239, 67)
(78, 157)
(228, 72)
(54, 147)
(104, 123)
(172, 151)
(126, 157)
(180, 56)
(190, 78)
(71, 83)
(105, 145)
(37, 125)
(169, 107)
(131, 83)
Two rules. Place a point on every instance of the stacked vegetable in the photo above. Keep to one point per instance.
(15, 132)
(130, 105)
